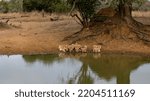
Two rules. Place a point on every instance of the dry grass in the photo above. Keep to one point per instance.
(141, 14)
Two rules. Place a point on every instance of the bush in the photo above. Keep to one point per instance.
(4, 6)
(62, 7)
(46, 5)
(86, 9)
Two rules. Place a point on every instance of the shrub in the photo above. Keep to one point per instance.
(86, 9)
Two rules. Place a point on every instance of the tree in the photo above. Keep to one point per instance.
(86, 9)
(4, 6)
(126, 6)
(16, 5)
(46, 5)
(122, 19)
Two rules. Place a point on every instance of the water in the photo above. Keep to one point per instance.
(82, 69)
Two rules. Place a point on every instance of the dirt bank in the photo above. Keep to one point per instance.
(33, 34)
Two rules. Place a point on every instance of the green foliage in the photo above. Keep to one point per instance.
(30, 5)
(15, 5)
(61, 7)
(145, 7)
(46, 5)
(86, 9)
(10, 6)
(4, 6)
(136, 4)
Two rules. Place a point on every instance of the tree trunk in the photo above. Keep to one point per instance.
(128, 10)
(125, 9)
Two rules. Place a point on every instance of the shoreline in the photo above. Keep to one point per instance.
(106, 52)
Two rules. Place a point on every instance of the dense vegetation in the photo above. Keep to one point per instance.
(88, 8)
(64, 5)
(11, 6)
(46, 5)
(32, 5)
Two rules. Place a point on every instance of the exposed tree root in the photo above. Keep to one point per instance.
(113, 27)
(72, 36)
(140, 30)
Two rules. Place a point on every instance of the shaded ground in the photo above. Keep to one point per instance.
(33, 34)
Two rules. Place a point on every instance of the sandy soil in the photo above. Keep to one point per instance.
(33, 34)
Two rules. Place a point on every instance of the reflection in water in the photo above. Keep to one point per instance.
(74, 68)
(108, 66)
(46, 59)
(105, 67)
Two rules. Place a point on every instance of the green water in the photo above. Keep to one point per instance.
(75, 68)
